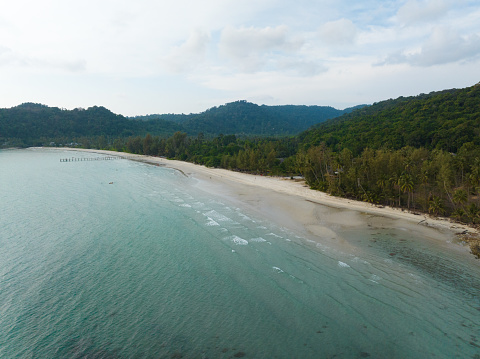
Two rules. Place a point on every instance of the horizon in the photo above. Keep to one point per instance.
(185, 57)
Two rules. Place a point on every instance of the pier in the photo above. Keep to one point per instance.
(111, 158)
(103, 158)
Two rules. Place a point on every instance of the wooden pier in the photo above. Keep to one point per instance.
(103, 158)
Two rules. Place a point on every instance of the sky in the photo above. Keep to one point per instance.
(183, 56)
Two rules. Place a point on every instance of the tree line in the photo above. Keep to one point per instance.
(418, 179)
(273, 156)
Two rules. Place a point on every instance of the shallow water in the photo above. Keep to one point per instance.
(149, 266)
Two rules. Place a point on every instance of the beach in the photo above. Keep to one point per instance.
(316, 215)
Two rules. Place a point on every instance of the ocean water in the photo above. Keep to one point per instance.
(121, 259)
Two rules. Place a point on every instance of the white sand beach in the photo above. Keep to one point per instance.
(313, 213)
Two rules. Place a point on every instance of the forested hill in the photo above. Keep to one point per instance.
(35, 124)
(440, 120)
(242, 117)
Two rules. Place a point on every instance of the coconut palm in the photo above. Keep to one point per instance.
(406, 186)
(394, 180)
(383, 183)
(436, 206)
(458, 214)
(473, 212)
(424, 178)
(460, 197)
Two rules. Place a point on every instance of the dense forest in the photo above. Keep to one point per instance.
(420, 153)
(35, 124)
(245, 118)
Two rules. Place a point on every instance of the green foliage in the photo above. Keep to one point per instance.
(34, 124)
(265, 156)
(245, 118)
(443, 120)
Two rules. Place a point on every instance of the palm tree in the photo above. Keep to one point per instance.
(472, 212)
(424, 178)
(474, 179)
(460, 196)
(395, 182)
(458, 214)
(436, 206)
(406, 186)
(383, 184)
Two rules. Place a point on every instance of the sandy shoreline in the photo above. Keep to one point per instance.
(296, 206)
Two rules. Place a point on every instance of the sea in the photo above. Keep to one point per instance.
(114, 258)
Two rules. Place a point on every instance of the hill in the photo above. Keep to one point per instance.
(421, 153)
(246, 118)
(242, 117)
(440, 120)
(35, 124)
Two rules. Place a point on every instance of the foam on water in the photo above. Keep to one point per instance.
(259, 240)
(218, 216)
(245, 217)
(211, 222)
(343, 264)
(237, 240)
(153, 267)
(273, 235)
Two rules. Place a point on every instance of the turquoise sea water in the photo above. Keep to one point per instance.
(149, 266)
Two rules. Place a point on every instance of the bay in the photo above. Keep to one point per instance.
(121, 259)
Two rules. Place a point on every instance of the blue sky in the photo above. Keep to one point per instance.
(185, 56)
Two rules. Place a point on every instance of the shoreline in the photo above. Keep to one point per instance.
(293, 203)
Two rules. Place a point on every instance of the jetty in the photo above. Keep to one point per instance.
(111, 158)
(102, 158)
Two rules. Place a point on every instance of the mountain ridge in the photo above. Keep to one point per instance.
(248, 118)
(34, 124)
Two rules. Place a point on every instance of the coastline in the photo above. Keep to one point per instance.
(293, 204)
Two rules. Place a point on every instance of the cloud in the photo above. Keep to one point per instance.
(338, 33)
(189, 54)
(443, 47)
(414, 11)
(307, 51)
(252, 48)
(302, 67)
(9, 57)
